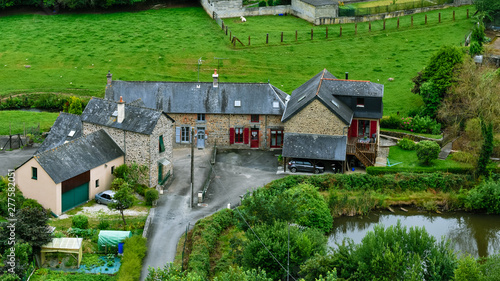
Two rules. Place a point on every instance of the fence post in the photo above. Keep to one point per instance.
(467, 13)
(267, 38)
(248, 40)
(439, 18)
(312, 32)
(370, 26)
(384, 25)
(340, 35)
(453, 15)
(356, 29)
(425, 19)
(327, 32)
(222, 25)
(281, 36)
(226, 29)
(398, 23)
(230, 35)
(295, 35)
(411, 21)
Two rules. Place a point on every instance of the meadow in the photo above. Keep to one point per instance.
(16, 121)
(72, 53)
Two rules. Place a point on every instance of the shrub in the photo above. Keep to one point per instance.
(151, 195)
(141, 189)
(484, 197)
(491, 268)
(262, 3)
(426, 125)
(391, 122)
(103, 224)
(463, 157)
(117, 183)
(134, 251)
(467, 270)
(427, 151)
(32, 203)
(475, 49)
(80, 221)
(121, 171)
(407, 144)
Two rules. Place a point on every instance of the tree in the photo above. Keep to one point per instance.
(467, 270)
(486, 148)
(304, 243)
(427, 151)
(489, 8)
(74, 105)
(124, 199)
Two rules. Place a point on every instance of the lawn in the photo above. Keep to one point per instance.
(431, 136)
(409, 159)
(15, 121)
(72, 53)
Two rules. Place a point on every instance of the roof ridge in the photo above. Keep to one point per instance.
(71, 114)
(194, 82)
(331, 79)
(128, 104)
(320, 80)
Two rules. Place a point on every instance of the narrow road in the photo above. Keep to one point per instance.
(236, 172)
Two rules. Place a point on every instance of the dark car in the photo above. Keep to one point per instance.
(105, 197)
(302, 165)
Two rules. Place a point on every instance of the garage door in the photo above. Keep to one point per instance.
(75, 197)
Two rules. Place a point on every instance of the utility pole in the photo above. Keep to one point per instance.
(288, 270)
(192, 165)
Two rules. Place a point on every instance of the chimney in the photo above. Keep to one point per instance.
(109, 76)
(347, 76)
(216, 79)
(121, 110)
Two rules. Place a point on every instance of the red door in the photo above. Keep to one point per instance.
(254, 138)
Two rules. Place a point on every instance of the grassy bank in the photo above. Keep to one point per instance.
(408, 159)
(15, 121)
(79, 49)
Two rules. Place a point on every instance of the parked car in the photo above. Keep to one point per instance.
(105, 197)
(302, 165)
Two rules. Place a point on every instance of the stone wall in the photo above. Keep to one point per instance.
(164, 127)
(316, 118)
(312, 13)
(217, 127)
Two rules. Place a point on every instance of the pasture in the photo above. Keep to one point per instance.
(72, 53)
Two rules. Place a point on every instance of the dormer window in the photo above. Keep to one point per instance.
(360, 102)
(237, 103)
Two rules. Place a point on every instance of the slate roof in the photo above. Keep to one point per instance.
(60, 131)
(137, 119)
(201, 97)
(312, 146)
(78, 156)
(314, 89)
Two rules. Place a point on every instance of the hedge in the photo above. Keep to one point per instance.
(134, 251)
(204, 238)
(455, 170)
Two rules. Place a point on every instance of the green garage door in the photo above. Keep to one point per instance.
(75, 197)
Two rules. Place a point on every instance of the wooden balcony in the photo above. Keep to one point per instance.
(363, 149)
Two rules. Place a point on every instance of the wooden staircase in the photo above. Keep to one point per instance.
(362, 157)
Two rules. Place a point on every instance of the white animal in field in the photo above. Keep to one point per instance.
(243, 19)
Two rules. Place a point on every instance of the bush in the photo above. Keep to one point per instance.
(141, 189)
(390, 122)
(31, 203)
(407, 144)
(427, 151)
(467, 270)
(103, 224)
(117, 183)
(463, 157)
(134, 251)
(491, 268)
(151, 195)
(484, 197)
(80, 221)
(426, 125)
(121, 171)
(475, 49)
(262, 3)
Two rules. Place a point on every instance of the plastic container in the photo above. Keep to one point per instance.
(120, 248)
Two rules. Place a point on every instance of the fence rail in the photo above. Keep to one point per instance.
(350, 11)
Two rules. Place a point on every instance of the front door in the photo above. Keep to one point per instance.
(254, 138)
(201, 138)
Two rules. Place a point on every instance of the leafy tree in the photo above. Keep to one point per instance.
(318, 265)
(475, 49)
(395, 253)
(491, 268)
(467, 270)
(124, 199)
(439, 72)
(486, 148)
(304, 243)
(427, 151)
(74, 105)
(117, 183)
(121, 171)
(490, 8)
(478, 34)
(171, 272)
(484, 197)
(238, 274)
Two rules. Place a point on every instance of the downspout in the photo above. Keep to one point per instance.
(149, 160)
(265, 132)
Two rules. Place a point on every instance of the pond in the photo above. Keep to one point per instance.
(476, 234)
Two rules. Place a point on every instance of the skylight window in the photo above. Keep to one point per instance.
(115, 114)
(237, 103)
(72, 133)
(276, 104)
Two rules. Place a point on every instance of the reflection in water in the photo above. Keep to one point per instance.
(476, 234)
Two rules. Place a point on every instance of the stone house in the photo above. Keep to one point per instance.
(67, 175)
(144, 134)
(333, 119)
(237, 115)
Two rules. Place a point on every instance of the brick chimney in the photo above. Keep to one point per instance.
(110, 78)
(216, 78)
(121, 110)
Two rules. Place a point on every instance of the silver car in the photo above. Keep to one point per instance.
(105, 197)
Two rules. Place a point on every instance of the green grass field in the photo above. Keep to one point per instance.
(72, 53)
(409, 159)
(17, 120)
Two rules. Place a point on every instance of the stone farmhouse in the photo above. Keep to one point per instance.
(78, 157)
(325, 119)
